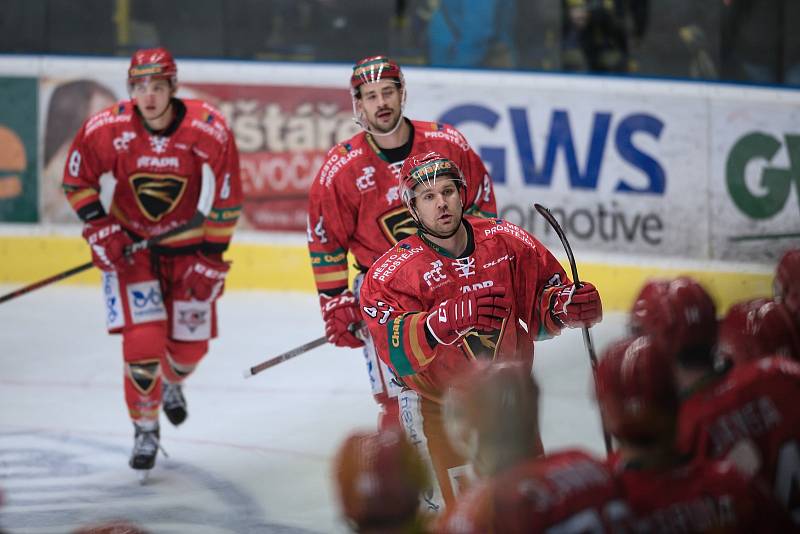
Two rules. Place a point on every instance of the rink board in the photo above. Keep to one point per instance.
(285, 266)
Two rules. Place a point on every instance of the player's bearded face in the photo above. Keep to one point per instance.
(439, 207)
(152, 96)
(380, 103)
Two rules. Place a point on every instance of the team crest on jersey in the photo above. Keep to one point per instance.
(397, 225)
(143, 375)
(483, 345)
(156, 194)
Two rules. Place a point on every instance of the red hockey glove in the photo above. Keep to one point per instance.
(108, 241)
(482, 309)
(339, 313)
(576, 307)
(205, 278)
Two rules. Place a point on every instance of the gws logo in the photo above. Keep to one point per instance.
(769, 197)
(559, 139)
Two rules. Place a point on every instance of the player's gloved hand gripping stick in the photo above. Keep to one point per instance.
(203, 208)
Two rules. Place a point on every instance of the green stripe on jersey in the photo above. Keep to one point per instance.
(326, 259)
(394, 332)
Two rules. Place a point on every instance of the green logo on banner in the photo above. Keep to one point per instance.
(775, 183)
(18, 149)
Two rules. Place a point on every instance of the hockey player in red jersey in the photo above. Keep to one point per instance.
(379, 477)
(164, 153)
(492, 416)
(757, 328)
(665, 492)
(355, 206)
(787, 283)
(745, 414)
(461, 289)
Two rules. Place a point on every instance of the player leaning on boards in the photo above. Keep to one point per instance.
(461, 288)
(162, 300)
(354, 204)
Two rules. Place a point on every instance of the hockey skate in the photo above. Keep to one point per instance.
(145, 448)
(173, 403)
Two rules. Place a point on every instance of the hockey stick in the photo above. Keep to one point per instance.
(587, 338)
(203, 208)
(297, 351)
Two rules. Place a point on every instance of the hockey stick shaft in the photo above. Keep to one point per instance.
(204, 203)
(587, 338)
(297, 351)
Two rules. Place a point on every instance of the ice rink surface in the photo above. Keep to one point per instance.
(253, 456)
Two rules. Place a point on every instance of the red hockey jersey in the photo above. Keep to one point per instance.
(354, 201)
(414, 276)
(751, 417)
(158, 177)
(700, 497)
(568, 491)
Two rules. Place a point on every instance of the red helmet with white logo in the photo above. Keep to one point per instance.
(492, 416)
(636, 392)
(680, 315)
(379, 478)
(426, 169)
(374, 69)
(787, 283)
(152, 63)
(755, 329)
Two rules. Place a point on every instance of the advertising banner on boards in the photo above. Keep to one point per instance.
(622, 173)
(18, 188)
(283, 134)
(653, 168)
(754, 180)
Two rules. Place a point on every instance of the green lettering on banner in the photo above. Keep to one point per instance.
(18, 150)
(774, 184)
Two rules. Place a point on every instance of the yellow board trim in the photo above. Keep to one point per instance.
(26, 259)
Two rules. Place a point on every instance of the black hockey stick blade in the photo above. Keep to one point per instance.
(544, 212)
(297, 351)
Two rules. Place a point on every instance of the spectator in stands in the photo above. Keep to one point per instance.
(466, 33)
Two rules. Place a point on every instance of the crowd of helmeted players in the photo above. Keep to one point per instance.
(706, 435)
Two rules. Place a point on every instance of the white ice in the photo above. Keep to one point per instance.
(253, 456)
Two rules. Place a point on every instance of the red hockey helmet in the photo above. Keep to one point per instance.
(680, 315)
(787, 282)
(374, 69)
(757, 328)
(636, 391)
(152, 63)
(425, 169)
(491, 414)
(379, 478)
